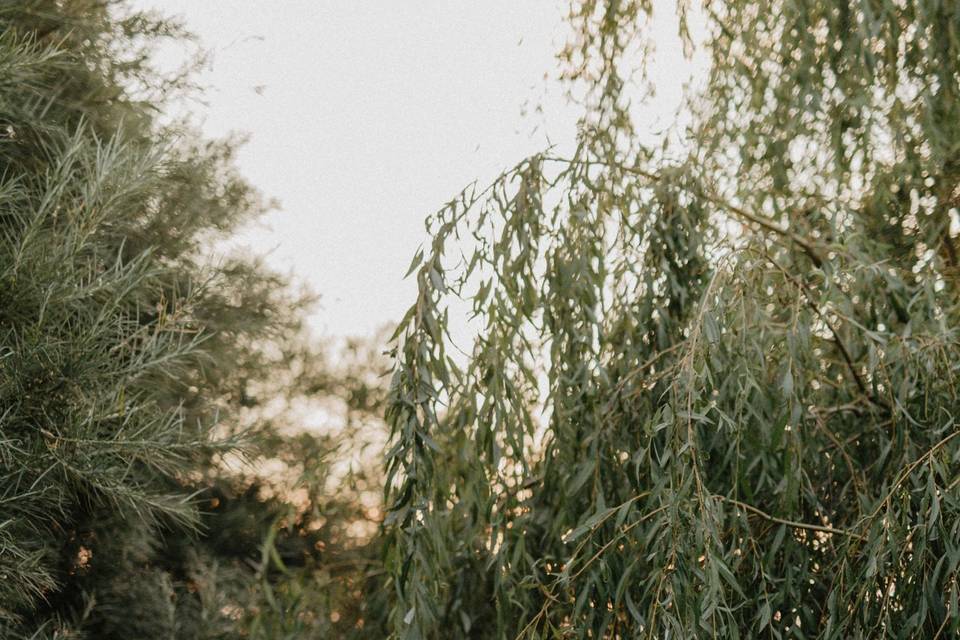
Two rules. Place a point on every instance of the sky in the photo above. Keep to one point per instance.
(364, 117)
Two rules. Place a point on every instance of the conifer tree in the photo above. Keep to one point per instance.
(714, 389)
(133, 366)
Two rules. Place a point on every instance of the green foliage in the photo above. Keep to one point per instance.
(139, 379)
(714, 388)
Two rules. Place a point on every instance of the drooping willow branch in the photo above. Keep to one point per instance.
(805, 245)
(790, 523)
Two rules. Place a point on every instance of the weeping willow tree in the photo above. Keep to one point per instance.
(714, 383)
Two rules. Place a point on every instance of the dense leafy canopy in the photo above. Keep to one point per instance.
(714, 390)
(137, 373)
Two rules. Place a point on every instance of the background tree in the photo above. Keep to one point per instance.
(713, 392)
(136, 372)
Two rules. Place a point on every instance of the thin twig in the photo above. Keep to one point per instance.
(837, 340)
(624, 531)
(790, 523)
(716, 200)
(908, 470)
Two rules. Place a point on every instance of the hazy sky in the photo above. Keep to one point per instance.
(364, 117)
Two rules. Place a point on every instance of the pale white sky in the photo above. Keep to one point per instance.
(364, 117)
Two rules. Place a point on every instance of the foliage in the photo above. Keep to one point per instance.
(139, 379)
(714, 386)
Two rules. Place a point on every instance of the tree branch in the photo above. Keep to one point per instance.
(805, 245)
(790, 523)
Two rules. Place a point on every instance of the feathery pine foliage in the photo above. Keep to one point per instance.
(714, 393)
(130, 365)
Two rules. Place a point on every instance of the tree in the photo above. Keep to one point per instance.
(714, 389)
(133, 368)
